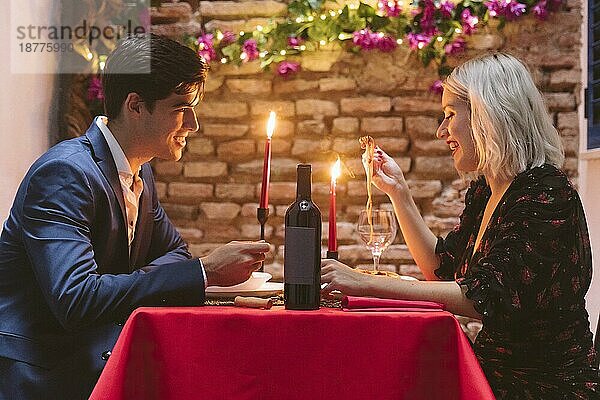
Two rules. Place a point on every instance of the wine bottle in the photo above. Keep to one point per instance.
(302, 254)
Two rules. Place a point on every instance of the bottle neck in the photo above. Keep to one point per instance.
(303, 184)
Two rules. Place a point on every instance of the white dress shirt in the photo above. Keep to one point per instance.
(131, 184)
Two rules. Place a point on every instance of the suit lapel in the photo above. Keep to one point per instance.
(106, 163)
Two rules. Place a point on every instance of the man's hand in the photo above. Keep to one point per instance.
(234, 262)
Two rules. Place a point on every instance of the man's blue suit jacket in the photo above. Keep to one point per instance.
(67, 278)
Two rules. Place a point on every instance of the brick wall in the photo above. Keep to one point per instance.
(212, 194)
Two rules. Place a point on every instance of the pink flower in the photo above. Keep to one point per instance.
(436, 87)
(365, 39)
(250, 49)
(287, 68)
(514, 10)
(427, 22)
(540, 10)
(446, 8)
(510, 9)
(228, 38)
(205, 47)
(294, 41)
(469, 22)
(391, 8)
(95, 90)
(455, 47)
(387, 44)
(368, 40)
(495, 9)
(417, 40)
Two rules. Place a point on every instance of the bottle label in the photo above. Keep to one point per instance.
(299, 255)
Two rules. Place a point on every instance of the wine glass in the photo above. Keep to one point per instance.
(378, 233)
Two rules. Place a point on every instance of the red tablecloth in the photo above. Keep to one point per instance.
(234, 353)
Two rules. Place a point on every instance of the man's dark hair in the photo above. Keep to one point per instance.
(152, 66)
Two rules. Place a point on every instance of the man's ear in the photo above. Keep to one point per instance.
(133, 104)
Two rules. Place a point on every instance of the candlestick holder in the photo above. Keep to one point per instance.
(262, 214)
(332, 255)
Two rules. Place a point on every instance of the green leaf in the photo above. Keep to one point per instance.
(397, 26)
(344, 36)
(444, 70)
(378, 22)
(310, 46)
(345, 15)
(233, 51)
(349, 21)
(190, 41)
(299, 8)
(290, 29)
(319, 30)
(315, 4)
(279, 42)
(266, 62)
(365, 10)
(427, 54)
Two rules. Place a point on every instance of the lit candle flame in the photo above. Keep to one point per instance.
(271, 124)
(336, 170)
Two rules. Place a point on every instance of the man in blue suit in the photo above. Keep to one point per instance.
(87, 241)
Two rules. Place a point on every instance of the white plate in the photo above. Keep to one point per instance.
(267, 289)
(408, 278)
(254, 282)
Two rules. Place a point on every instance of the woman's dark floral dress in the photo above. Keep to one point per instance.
(528, 279)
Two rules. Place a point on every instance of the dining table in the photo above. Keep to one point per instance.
(227, 352)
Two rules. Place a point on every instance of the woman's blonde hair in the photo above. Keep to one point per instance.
(512, 129)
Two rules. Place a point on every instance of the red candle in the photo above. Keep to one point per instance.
(332, 240)
(266, 175)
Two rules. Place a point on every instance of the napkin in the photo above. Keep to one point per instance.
(352, 303)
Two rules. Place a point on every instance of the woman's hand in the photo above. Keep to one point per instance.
(339, 276)
(387, 175)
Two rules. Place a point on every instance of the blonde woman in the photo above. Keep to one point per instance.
(520, 257)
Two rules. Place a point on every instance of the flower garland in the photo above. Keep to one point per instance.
(433, 29)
